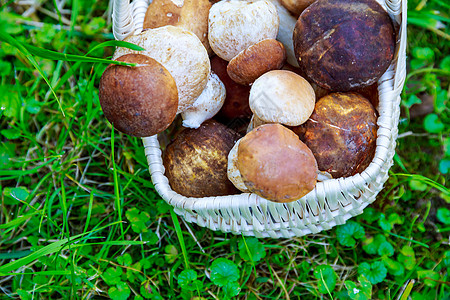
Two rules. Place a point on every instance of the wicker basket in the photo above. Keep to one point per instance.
(331, 203)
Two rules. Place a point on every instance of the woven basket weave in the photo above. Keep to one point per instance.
(331, 203)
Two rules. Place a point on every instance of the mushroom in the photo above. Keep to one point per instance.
(275, 164)
(256, 60)
(207, 104)
(181, 53)
(235, 25)
(296, 7)
(344, 45)
(196, 161)
(191, 15)
(341, 133)
(139, 101)
(281, 96)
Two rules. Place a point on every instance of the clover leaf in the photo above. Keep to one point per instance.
(443, 215)
(413, 99)
(188, 280)
(388, 224)
(386, 249)
(171, 253)
(407, 257)
(363, 291)
(137, 219)
(327, 278)
(347, 233)
(375, 272)
(430, 277)
(251, 249)
(125, 260)
(433, 124)
(120, 292)
(232, 289)
(112, 276)
(370, 215)
(394, 267)
(224, 271)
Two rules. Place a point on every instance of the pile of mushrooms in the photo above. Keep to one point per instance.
(289, 84)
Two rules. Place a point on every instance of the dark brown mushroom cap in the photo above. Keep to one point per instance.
(139, 101)
(343, 45)
(275, 164)
(196, 161)
(341, 133)
(262, 57)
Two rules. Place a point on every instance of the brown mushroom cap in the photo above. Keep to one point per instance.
(139, 101)
(256, 60)
(341, 133)
(196, 161)
(296, 6)
(179, 51)
(191, 15)
(275, 164)
(344, 44)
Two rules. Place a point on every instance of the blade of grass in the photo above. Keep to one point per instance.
(88, 218)
(177, 226)
(116, 184)
(396, 235)
(427, 181)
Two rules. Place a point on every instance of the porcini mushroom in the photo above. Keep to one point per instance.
(196, 161)
(344, 45)
(341, 133)
(181, 53)
(139, 101)
(235, 25)
(251, 63)
(275, 164)
(281, 96)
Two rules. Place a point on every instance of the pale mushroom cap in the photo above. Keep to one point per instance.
(281, 96)
(181, 53)
(207, 104)
(285, 30)
(234, 25)
(233, 173)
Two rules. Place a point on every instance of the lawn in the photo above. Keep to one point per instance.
(80, 217)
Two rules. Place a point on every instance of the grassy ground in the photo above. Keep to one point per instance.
(79, 216)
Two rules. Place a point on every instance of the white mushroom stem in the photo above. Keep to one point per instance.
(234, 175)
(285, 29)
(207, 104)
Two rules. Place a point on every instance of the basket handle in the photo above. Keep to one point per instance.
(398, 9)
(122, 18)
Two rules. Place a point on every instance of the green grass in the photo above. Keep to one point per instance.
(80, 218)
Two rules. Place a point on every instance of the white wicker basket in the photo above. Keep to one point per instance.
(331, 203)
